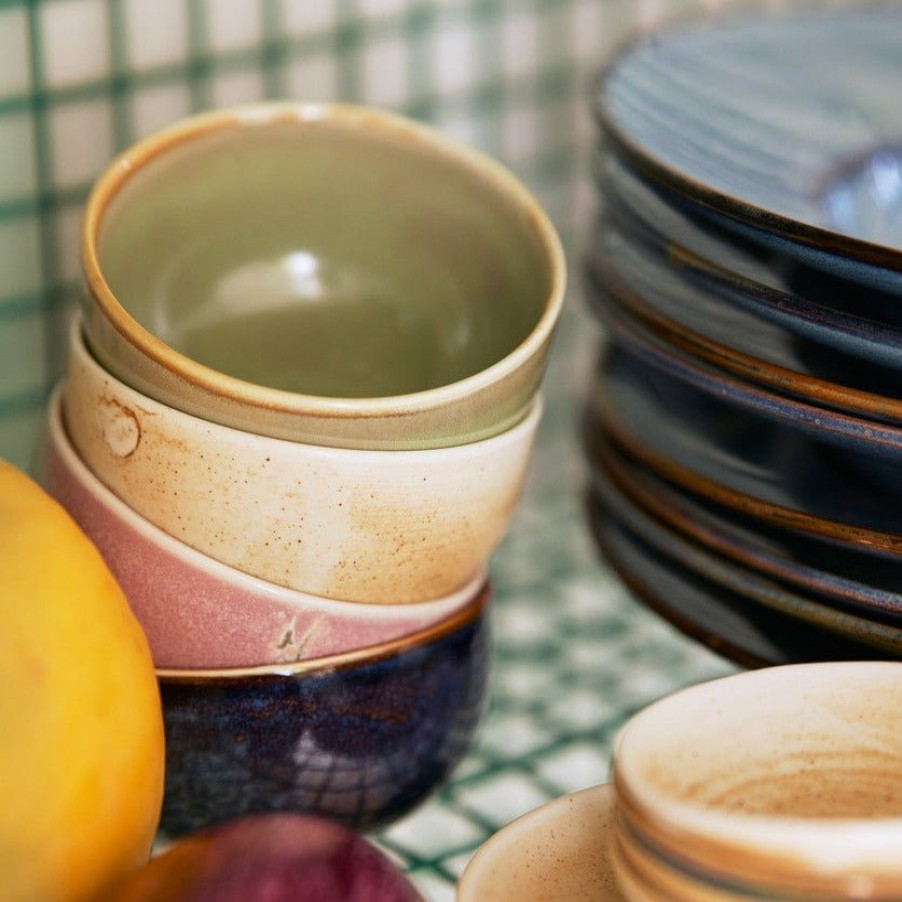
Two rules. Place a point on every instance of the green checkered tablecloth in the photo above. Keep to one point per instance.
(80, 79)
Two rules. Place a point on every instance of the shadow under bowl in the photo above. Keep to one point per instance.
(361, 738)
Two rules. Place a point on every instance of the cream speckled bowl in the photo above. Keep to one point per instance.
(199, 613)
(367, 526)
(322, 273)
(780, 784)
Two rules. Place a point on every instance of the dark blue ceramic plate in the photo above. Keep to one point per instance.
(808, 608)
(734, 457)
(662, 294)
(864, 585)
(361, 738)
(730, 624)
(783, 122)
(830, 312)
(863, 442)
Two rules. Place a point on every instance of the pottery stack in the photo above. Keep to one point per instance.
(298, 412)
(744, 423)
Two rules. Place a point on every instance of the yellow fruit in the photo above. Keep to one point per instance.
(81, 731)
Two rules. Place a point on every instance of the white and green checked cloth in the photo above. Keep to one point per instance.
(80, 79)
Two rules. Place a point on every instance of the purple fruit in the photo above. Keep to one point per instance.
(270, 858)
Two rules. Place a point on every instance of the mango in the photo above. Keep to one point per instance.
(82, 748)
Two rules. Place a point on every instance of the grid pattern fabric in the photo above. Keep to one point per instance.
(81, 79)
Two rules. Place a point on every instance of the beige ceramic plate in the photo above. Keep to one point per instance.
(557, 853)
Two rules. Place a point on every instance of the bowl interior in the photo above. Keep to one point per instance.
(325, 257)
(806, 743)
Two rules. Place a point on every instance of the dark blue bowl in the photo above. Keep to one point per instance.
(361, 738)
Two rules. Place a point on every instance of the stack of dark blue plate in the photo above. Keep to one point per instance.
(744, 424)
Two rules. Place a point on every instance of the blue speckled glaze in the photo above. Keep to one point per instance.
(362, 744)
(781, 123)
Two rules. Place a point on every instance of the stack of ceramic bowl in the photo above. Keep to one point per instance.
(745, 420)
(297, 416)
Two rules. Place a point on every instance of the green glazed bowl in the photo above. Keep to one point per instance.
(321, 273)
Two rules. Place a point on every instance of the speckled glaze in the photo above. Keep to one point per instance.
(803, 801)
(361, 738)
(556, 852)
(775, 123)
(378, 205)
(381, 527)
(198, 612)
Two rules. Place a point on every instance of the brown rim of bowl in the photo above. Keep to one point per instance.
(739, 363)
(659, 171)
(258, 115)
(370, 654)
(607, 423)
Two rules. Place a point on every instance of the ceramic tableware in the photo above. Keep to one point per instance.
(865, 583)
(778, 784)
(747, 633)
(734, 460)
(657, 292)
(197, 612)
(559, 851)
(381, 527)
(874, 444)
(322, 273)
(831, 313)
(704, 443)
(361, 737)
(775, 125)
(808, 608)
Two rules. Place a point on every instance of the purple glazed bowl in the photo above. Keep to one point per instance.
(199, 613)
(361, 738)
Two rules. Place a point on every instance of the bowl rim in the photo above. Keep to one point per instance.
(367, 120)
(372, 654)
(831, 843)
(79, 351)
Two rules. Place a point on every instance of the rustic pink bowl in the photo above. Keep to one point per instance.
(199, 613)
